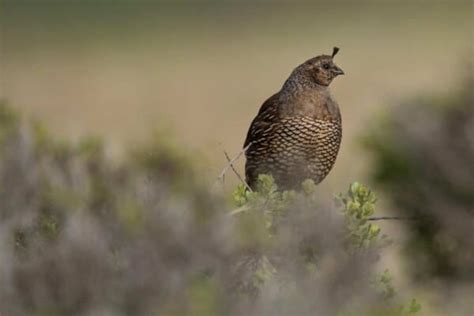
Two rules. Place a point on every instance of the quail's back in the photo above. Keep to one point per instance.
(297, 132)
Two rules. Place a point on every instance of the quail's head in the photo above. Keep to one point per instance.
(321, 69)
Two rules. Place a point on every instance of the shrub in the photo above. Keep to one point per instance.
(423, 155)
(82, 235)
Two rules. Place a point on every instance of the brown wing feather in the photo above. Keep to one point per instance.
(267, 115)
(256, 154)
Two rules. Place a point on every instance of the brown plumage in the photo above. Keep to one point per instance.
(297, 132)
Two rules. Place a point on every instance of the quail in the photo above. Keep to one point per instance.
(297, 132)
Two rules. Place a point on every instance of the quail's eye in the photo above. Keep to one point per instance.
(326, 66)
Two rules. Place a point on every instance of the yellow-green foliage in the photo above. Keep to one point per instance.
(358, 205)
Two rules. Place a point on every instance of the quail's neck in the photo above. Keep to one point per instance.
(298, 84)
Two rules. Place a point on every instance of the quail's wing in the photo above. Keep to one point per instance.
(267, 115)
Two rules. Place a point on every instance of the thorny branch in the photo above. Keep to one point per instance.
(236, 173)
(230, 164)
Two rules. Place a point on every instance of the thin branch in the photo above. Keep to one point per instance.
(397, 218)
(236, 173)
(221, 177)
(239, 210)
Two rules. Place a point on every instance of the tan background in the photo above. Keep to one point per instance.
(201, 71)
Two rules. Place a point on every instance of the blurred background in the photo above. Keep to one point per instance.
(202, 70)
(198, 72)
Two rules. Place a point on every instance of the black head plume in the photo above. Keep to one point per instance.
(334, 51)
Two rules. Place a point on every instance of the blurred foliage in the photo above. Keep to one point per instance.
(423, 154)
(83, 235)
(332, 248)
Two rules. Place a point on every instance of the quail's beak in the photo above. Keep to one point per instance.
(337, 71)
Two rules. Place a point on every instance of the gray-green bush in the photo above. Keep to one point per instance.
(83, 235)
(423, 154)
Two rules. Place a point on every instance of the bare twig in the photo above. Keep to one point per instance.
(239, 210)
(221, 177)
(397, 218)
(236, 173)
